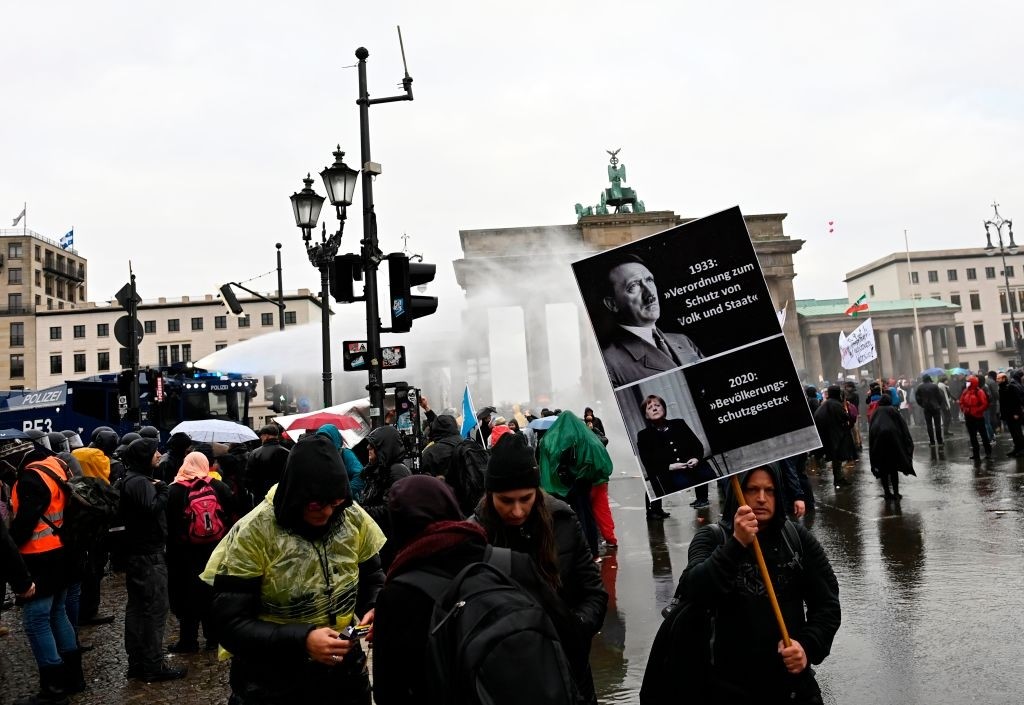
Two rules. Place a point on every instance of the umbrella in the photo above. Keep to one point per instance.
(543, 424)
(933, 372)
(958, 371)
(11, 434)
(357, 409)
(215, 430)
(315, 421)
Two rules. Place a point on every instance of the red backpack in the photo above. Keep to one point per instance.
(204, 515)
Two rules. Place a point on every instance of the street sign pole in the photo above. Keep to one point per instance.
(134, 313)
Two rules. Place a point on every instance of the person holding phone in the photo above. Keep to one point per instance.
(289, 579)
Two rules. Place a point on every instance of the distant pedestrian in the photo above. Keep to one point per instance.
(266, 463)
(973, 403)
(891, 448)
(833, 424)
(930, 398)
(1011, 412)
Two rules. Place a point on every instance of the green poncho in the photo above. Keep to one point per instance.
(592, 460)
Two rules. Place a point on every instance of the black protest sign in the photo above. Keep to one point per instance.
(692, 345)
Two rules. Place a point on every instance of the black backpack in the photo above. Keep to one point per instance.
(89, 508)
(466, 474)
(490, 641)
(681, 652)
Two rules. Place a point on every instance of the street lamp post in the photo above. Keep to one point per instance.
(997, 224)
(340, 182)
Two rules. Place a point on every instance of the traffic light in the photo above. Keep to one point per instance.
(347, 268)
(230, 300)
(404, 306)
(278, 399)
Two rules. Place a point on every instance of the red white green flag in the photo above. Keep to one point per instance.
(857, 306)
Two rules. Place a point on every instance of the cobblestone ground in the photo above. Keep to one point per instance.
(105, 665)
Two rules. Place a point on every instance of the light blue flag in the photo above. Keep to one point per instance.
(68, 240)
(468, 414)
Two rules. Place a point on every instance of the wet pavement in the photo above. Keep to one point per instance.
(930, 590)
(932, 605)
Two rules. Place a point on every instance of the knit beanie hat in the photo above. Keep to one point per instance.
(512, 465)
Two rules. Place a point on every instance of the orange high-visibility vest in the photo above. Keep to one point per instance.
(43, 537)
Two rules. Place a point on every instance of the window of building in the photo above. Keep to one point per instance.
(39, 254)
(81, 271)
(197, 323)
(913, 278)
(990, 272)
(17, 335)
(290, 319)
(266, 319)
(219, 346)
(244, 321)
(48, 259)
(1002, 302)
(951, 275)
(933, 276)
(17, 366)
(149, 326)
(975, 301)
(220, 322)
(1009, 270)
(79, 362)
(103, 361)
(60, 305)
(79, 331)
(14, 301)
(49, 286)
(161, 355)
(173, 325)
(14, 275)
(56, 364)
(961, 336)
(39, 299)
(972, 273)
(60, 289)
(871, 292)
(1007, 333)
(102, 330)
(954, 299)
(14, 250)
(55, 333)
(175, 354)
(39, 278)
(186, 352)
(979, 334)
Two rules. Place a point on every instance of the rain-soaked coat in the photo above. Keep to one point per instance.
(725, 578)
(276, 578)
(380, 475)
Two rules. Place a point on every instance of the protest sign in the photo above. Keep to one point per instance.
(694, 350)
(858, 348)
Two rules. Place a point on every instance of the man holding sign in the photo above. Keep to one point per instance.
(750, 662)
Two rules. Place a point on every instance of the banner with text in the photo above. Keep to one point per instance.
(694, 351)
(858, 348)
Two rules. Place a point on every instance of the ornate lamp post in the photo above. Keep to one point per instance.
(340, 183)
(997, 224)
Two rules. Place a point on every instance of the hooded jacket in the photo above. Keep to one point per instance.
(276, 578)
(890, 444)
(973, 400)
(833, 423)
(725, 578)
(265, 467)
(444, 435)
(143, 501)
(94, 462)
(353, 467)
(380, 475)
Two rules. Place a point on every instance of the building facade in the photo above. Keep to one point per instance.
(36, 274)
(70, 344)
(990, 297)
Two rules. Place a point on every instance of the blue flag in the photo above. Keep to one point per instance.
(468, 414)
(68, 240)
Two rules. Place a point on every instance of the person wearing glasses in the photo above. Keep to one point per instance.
(290, 579)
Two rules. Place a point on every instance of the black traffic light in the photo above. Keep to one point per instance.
(347, 268)
(404, 306)
(230, 300)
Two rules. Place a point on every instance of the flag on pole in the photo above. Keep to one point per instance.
(20, 216)
(468, 414)
(858, 348)
(859, 305)
(68, 240)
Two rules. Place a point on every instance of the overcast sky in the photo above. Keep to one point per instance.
(174, 133)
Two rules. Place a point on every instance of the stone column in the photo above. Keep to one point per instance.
(936, 347)
(951, 349)
(476, 347)
(812, 358)
(592, 372)
(884, 347)
(538, 361)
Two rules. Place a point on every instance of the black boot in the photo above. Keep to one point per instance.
(50, 691)
(74, 680)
